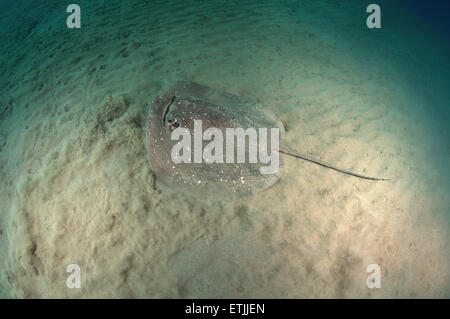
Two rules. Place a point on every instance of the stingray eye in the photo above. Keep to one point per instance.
(174, 125)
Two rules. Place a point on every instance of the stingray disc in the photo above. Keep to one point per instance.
(177, 106)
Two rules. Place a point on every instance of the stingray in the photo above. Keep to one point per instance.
(178, 105)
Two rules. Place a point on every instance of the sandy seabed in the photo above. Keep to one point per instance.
(76, 186)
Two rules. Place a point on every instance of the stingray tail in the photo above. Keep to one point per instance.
(310, 159)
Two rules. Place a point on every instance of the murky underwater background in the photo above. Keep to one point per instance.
(76, 185)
